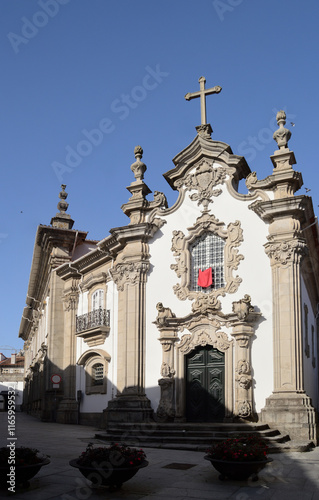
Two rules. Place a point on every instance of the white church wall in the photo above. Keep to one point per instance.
(254, 271)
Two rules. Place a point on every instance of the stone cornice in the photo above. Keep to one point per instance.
(47, 238)
(268, 211)
(108, 248)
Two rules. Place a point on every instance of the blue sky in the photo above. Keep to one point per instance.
(85, 81)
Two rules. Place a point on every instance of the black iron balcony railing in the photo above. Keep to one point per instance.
(93, 319)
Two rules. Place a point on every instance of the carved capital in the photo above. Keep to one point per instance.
(130, 273)
(70, 298)
(282, 253)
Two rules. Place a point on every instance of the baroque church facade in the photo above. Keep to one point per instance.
(205, 311)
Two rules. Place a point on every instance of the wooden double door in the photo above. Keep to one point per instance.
(205, 385)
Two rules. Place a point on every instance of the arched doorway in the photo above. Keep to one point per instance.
(205, 384)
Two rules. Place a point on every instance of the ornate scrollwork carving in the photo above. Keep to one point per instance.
(128, 273)
(282, 253)
(244, 381)
(204, 180)
(243, 367)
(243, 409)
(243, 307)
(166, 370)
(219, 340)
(251, 180)
(233, 236)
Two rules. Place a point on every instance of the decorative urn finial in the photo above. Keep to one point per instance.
(138, 167)
(282, 135)
(63, 205)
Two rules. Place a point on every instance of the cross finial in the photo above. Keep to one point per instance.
(202, 94)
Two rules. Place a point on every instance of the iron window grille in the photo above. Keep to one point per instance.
(207, 251)
(97, 374)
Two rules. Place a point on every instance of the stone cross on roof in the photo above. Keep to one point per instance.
(202, 94)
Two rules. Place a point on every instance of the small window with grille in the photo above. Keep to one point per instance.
(207, 252)
(97, 374)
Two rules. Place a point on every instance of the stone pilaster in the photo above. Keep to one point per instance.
(288, 408)
(68, 408)
(131, 403)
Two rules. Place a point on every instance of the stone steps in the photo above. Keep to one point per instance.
(188, 436)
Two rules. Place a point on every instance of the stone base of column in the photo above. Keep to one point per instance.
(133, 408)
(293, 414)
(67, 412)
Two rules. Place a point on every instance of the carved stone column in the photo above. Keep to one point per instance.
(131, 403)
(168, 337)
(68, 408)
(243, 331)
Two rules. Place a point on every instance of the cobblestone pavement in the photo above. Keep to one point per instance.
(290, 476)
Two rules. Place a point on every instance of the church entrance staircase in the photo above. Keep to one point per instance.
(193, 436)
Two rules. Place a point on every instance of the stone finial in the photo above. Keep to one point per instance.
(138, 168)
(63, 205)
(62, 220)
(282, 135)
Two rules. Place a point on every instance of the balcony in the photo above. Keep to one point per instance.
(93, 327)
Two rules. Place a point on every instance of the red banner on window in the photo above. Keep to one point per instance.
(205, 278)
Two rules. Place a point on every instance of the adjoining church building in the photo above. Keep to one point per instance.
(205, 311)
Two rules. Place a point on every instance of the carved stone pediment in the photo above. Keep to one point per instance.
(203, 181)
(233, 236)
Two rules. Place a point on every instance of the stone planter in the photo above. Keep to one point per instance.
(22, 473)
(238, 470)
(108, 476)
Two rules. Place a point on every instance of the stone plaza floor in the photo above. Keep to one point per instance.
(291, 476)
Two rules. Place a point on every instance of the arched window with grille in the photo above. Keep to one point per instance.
(97, 374)
(207, 252)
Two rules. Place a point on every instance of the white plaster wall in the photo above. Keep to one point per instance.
(98, 402)
(310, 371)
(254, 270)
